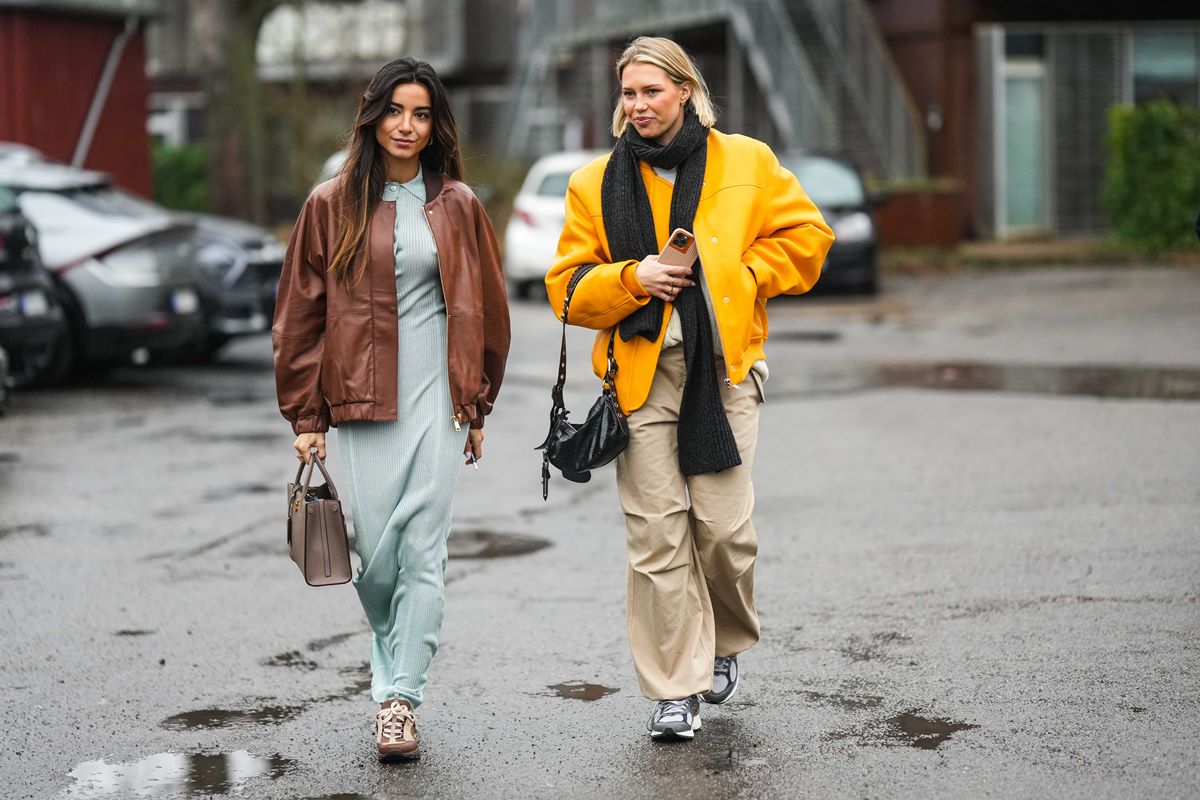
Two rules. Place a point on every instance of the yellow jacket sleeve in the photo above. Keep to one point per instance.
(793, 238)
(609, 292)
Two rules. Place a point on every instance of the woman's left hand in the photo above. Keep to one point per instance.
(474, 446)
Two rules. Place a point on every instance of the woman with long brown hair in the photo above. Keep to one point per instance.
(392, 325)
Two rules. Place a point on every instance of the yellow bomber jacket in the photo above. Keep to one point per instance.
(759, 236)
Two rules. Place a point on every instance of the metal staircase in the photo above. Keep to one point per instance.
(879, 123)
(821, 68)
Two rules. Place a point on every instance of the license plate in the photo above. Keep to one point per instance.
(34, 304)
(185, 301)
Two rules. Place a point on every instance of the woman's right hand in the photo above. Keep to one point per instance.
(304, 444)
(661, 280)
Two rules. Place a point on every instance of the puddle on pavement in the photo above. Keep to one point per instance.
(877, 647)
(134, 632)
(489, 544)
(317, 645)
(210, 718)
(218, 718)
(174, 775)
(292, 658)
(578, 690)
(1156, 383)
(846, 701)
(924, 733)
(30, 530)
(230, 491)
(806, 336)
(9, 458)
(907, 729)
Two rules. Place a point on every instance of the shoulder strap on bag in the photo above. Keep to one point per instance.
(556, 393)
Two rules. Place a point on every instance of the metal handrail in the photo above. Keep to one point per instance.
(889, 116)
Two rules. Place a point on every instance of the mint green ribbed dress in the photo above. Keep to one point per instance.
(402, 474)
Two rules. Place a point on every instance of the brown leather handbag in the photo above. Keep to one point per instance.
(317, 529)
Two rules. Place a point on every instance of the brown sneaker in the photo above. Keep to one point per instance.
(396, 732)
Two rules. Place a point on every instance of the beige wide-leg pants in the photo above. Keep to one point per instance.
(691, 542)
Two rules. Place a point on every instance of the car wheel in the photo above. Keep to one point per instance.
(63, 362)
(869, 287)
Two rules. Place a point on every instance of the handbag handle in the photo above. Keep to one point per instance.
(610, 374)
(316, 461)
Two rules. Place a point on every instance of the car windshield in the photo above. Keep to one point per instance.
(829, 183)
(554, 185)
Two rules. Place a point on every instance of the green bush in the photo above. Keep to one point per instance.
(1153, 184)
(181, 177)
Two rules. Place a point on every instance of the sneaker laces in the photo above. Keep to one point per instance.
(673, 710)
(721, 665)
(390, 722)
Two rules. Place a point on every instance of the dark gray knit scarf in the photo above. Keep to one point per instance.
(706, 442)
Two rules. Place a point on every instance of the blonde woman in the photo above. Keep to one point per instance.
(691, 364)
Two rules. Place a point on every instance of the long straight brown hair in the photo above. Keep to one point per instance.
(361, 179)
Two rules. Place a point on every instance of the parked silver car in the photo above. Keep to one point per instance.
(125, 269)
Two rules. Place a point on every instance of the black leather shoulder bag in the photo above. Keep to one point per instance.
(576, 450)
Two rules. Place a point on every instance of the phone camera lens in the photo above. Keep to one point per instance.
(680, 240)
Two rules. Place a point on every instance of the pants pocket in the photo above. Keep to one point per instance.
(758, 386)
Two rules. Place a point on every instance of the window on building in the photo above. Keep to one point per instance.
(1166, 64)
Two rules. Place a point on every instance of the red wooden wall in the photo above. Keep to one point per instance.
(50, 66)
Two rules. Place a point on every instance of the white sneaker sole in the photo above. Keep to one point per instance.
(704, 699)
(678, 735)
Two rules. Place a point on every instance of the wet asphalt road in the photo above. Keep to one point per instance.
(979, 575)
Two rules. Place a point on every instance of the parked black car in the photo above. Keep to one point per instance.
(5, 383)
(239, 266)
(837, 188)
(124, 269)
(31, 318)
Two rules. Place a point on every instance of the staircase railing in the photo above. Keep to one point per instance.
(791, 90)
(873, 85)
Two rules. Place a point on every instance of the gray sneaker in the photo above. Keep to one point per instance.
(725, 680)
(675, 719)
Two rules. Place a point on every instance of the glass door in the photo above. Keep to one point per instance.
(1024, 140)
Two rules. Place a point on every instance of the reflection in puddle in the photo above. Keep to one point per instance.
(173, 774)
(578, 690)
(1160, 383)
(1125, 382)
(208, 718)
(926, 734)
(489, 544)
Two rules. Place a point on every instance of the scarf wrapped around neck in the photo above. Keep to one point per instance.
(706, 442)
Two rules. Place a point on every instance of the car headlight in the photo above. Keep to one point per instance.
(854, 227)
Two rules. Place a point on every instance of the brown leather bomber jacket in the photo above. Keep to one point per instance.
(336, 349)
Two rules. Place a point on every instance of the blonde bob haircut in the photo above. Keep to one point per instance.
(671, 59)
